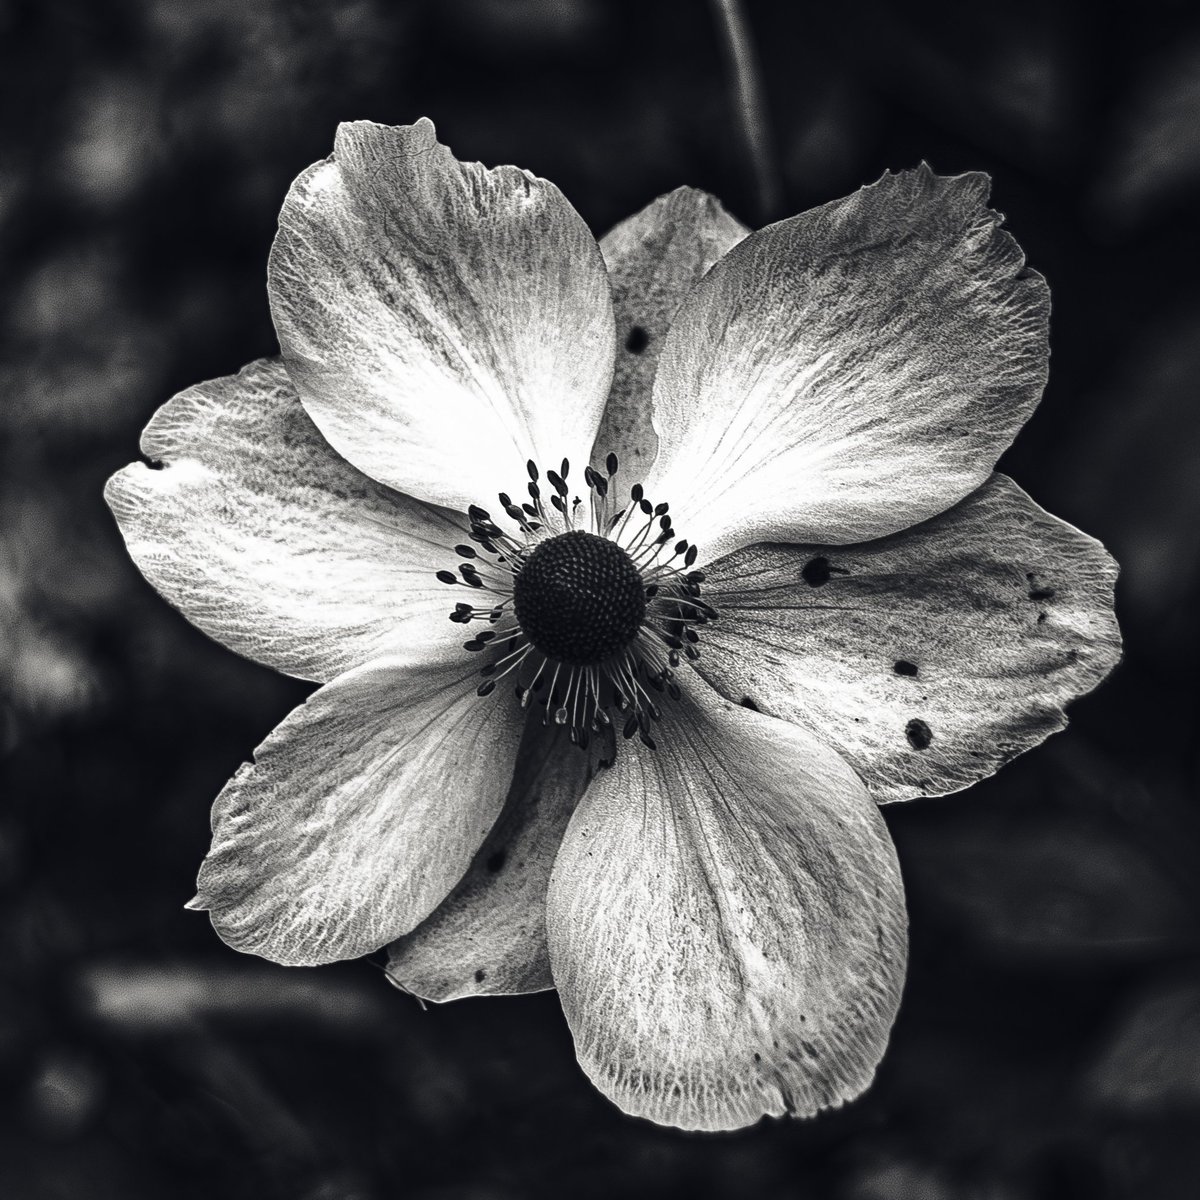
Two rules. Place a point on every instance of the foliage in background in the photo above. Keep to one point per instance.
(1049, 1043)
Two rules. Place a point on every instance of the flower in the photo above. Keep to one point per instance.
(715, 513)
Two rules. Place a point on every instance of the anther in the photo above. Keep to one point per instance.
(597, 617)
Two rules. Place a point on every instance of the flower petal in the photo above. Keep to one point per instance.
(726, 923)
(654, 259)
(927, 659)
(444, 323)
(850, 371)
(360, 812)
(488, 937)
(250, 524)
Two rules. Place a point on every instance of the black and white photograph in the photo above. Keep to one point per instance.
(599, 599)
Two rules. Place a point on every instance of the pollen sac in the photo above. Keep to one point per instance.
(579, 598)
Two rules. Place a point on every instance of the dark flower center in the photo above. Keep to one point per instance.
(590, 624)
(579, 598)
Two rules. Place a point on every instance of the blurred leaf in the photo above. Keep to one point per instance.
(157, 998)
(1068, 886)
(63, 1096)
(1008, 85)
(1154, 163)
(1133, 469)
(1151, 1062)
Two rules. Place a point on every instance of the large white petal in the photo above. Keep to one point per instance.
(927, 659)
(726, 922)
(361, 811)
(444, 323)
(250, 524)
(488, 937)
(850, 371)
(654, 259)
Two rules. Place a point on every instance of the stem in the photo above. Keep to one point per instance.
(748, 97)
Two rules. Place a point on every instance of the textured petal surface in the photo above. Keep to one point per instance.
(850, 371)
(927, 659)
(358, 815)
(488, 937)
(443, 322)
(269, 541)
(726, 923)
(654, 259)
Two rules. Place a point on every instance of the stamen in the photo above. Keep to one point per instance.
(605, 605)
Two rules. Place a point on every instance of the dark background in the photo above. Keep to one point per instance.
(1049, 1043)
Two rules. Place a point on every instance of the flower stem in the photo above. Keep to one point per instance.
(748, 97)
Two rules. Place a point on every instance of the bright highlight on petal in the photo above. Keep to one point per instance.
(259, 533)
(726, 924)
(850, 371)
(358, 815)
(443, 322)
(927, 659)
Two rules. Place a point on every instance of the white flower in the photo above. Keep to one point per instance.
(842, 606)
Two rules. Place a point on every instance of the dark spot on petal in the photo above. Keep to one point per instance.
(748, 703)
(904, 667)
(918, 733)
(816, 572)
(480, 975)
(809, 1049)
(1042, 594)
(637, 340)
(496, 861)
(757, 1056)
(1041, 617)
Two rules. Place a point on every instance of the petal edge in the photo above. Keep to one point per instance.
(850, 371)
(732, 945)
(443, 322)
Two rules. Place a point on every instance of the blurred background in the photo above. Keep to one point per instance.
(1049, 1043)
